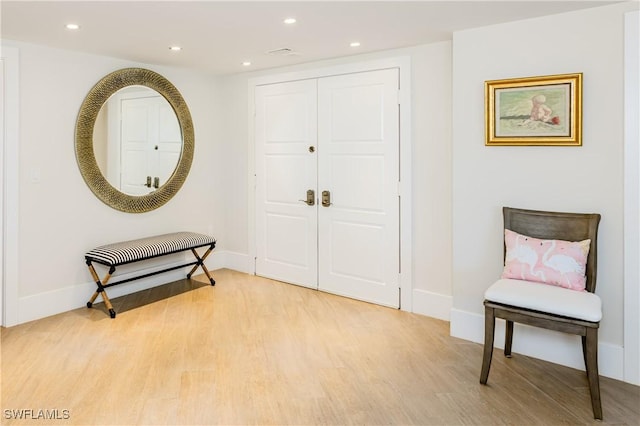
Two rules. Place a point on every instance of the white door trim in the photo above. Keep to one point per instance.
(632, 200)
(10, 205)
(404, 65)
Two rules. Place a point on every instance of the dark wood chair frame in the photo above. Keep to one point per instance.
(559, 226)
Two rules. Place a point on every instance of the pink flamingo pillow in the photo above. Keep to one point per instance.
(554, 262)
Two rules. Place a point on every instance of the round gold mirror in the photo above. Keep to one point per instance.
(167, 135)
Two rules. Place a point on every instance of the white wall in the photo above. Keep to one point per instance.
(430, 134)
(432, 181)
(60, 218)
(580, 179)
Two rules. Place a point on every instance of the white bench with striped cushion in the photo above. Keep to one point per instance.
(125, 252)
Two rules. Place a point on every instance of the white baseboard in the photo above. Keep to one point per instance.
(68, 298)
(233, 260)
(73, 297)
(432, 304)
(552, 346)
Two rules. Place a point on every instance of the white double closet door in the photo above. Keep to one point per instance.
(336, 134)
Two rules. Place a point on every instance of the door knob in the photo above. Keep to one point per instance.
(311, 198)
(156, 182)
(148, 184)
(326, 198)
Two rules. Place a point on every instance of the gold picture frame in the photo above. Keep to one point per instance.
(544, 110)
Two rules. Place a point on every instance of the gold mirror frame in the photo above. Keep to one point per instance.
(85, 155)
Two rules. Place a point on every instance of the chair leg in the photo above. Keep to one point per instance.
(489, 328)
(591, 357)
(508, 339)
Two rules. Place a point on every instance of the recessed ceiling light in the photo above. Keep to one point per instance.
(175, 48)
(72, 26)
(290, 21)
(246, 63)
(355, 44)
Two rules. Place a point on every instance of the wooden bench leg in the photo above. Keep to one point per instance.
(93, 299)
(201, 264)
(107, 303)
(101, 290)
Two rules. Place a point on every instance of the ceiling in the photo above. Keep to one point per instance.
(217, 36)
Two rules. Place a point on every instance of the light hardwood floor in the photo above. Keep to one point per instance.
(256, 351)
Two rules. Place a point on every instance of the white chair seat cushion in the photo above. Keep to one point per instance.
(546, 298)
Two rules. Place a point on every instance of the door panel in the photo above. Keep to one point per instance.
(281, 187)
(294, 250)
(286, 228)
(358, 137)
(367, 241)
(355, 112)
(136, 137)
(360, 178)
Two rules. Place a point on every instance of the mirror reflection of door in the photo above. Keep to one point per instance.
(143, 141)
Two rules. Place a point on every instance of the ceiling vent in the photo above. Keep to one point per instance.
(283, 51)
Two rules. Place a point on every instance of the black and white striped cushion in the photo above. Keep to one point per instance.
(146, 248)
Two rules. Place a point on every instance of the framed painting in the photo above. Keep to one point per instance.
(544, 110)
